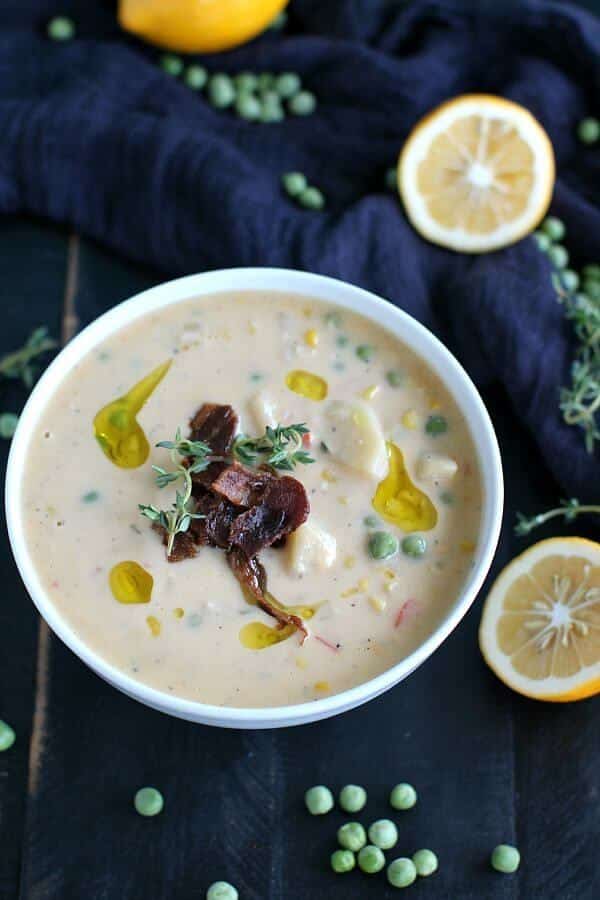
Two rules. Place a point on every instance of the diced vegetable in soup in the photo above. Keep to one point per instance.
(252, 499)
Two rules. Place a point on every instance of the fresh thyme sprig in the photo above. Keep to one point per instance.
(280, 447)
(568, 509)
(19, 363)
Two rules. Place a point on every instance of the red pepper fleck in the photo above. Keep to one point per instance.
(331, 646)
(307, 439)
(401, 612)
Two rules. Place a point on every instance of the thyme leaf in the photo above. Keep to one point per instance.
(280, 447)
(568, 509)
(20, 363)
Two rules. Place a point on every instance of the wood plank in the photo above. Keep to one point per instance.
(32, 262)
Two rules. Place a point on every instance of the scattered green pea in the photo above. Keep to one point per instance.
(171, 64)
(383, 545)
(414, 545)
(302, 104)
(505, 858)
(271, 108)
(426, 862)
(554, 228)
(221, 92)
(371, 859)
(61, 28)
(352, 836)
(588, 130)
(287, 85)
(312, 198)
(447, 497)
(342, 861)
(195, 77)
(265, 81)
(591, 271)
(7, 736)
(342, 340)
(570, 279)
(319, 800)
(542, 240)
(91, 497)
(558, 256)
(436, 425)
(383, 833)
(148, 801)
(222, 890)
(352, 798)
(401, 872)
(403, 796)
(8, 424)
(371, 521)
(247, 106)
(246, 82)
(294, 183)
(391, 178)
(333, 317)
(394, 378)
(365, 352)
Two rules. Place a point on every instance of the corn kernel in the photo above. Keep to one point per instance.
(389, 573)
(343, 500)
(378, 604)
(433, 405)
(390, 586)
(301, 662)
(311, 337)
(363, 584)
(370, 392)
(327, 475)
(467, 546)
(178, 612)
(349, 592)
(410, 419)
(350, 562)
(153, 625)
(322, 686)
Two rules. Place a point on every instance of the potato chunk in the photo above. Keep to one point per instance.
(310, 548)
(355, 438)
(436, 467)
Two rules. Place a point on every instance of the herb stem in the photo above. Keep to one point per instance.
(568, 509)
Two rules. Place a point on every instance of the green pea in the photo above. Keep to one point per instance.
(383, 545)
(401, 872)
(8, 424)
(60, 28)
(312, 198)
(592, 288)
(303, 104)
(294, 183)
(383, 833)
(222, 890)
(554, 228)
(436, 425)
(271, 108)
(414, 545)
(588, 130)
(248, 107)
(7, 736)
(333, 317)
(246, 82)
(394, 378)
(391, 179)
(558, 256)
(318, 800)
(447, 497)
(342, 861)
(403, 796)
(505, 858)
(91, 497)
(265, 81)
(365, 352)
(171, 64)
(371, 521)
(287, 85)
(371, 859)
(352, 798)
(352, 836)
(570, 279)
(221, 92)
(542, 240)
(195, 77)
(426, 862)
(342, 340)
(591, 271)
(148, 801)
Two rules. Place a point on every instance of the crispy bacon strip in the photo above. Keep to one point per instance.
(253, 580)
(216, 425)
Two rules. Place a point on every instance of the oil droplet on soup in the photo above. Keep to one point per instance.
(399, 501)
(116, 428)
(258, 636)
(130, 583)
(307, 384)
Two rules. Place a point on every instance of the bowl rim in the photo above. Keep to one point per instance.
(307, 285)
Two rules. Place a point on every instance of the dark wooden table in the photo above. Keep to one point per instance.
(489, 765)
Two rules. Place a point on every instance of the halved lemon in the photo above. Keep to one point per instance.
(198, 26)
(540, 629)
(476, 174)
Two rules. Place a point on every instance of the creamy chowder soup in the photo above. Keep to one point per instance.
(394, 492)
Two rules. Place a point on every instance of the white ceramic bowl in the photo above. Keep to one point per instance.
(304, 284)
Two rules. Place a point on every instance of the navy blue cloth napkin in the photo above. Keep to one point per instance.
(96, 135)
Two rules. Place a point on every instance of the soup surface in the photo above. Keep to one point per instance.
(394, 492)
